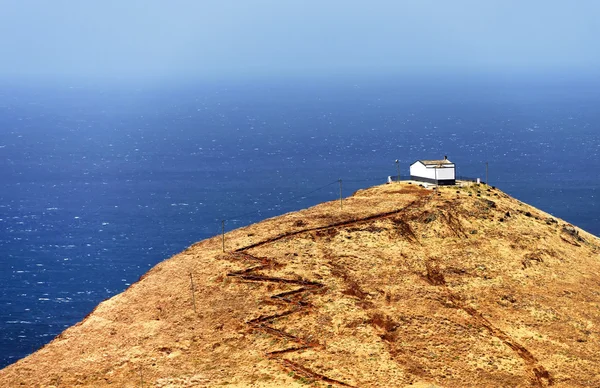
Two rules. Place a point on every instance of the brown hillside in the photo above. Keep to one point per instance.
(404, 286)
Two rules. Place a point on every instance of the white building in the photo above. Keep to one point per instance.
(440, 172)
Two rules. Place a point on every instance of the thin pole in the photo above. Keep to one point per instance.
(193, 291)
(223, 233)
(487, 182)
(398, 166)
(341, 201)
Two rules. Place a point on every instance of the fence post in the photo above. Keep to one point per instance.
(223, 234)
(193, 291)
(341, 200)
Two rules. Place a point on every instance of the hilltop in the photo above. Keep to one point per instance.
(402, 286)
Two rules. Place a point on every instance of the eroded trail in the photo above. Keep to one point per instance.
(416, 203)
(296, 298)
(294, 302)
(293, 299)
(539, 376)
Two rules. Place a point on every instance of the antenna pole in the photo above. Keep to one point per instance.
(223, 233)
(341, 201)
(487, 182)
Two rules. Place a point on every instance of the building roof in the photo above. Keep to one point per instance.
(435, 162)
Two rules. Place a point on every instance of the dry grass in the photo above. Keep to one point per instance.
(401, 287)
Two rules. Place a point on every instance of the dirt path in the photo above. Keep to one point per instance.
(292, 299)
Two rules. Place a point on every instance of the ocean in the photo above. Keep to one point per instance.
(99, 182)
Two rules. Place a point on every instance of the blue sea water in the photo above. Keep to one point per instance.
(99, 182)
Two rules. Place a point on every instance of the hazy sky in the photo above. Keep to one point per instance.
(196, 38)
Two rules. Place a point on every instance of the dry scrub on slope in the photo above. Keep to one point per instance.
(403, 286)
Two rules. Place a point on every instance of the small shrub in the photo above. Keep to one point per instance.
(434, 275)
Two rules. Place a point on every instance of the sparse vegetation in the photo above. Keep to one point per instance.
(401, 286)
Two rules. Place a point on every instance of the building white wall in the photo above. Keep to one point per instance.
(445, 173)
(419, 169)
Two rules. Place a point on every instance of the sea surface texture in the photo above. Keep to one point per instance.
(98, 183)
